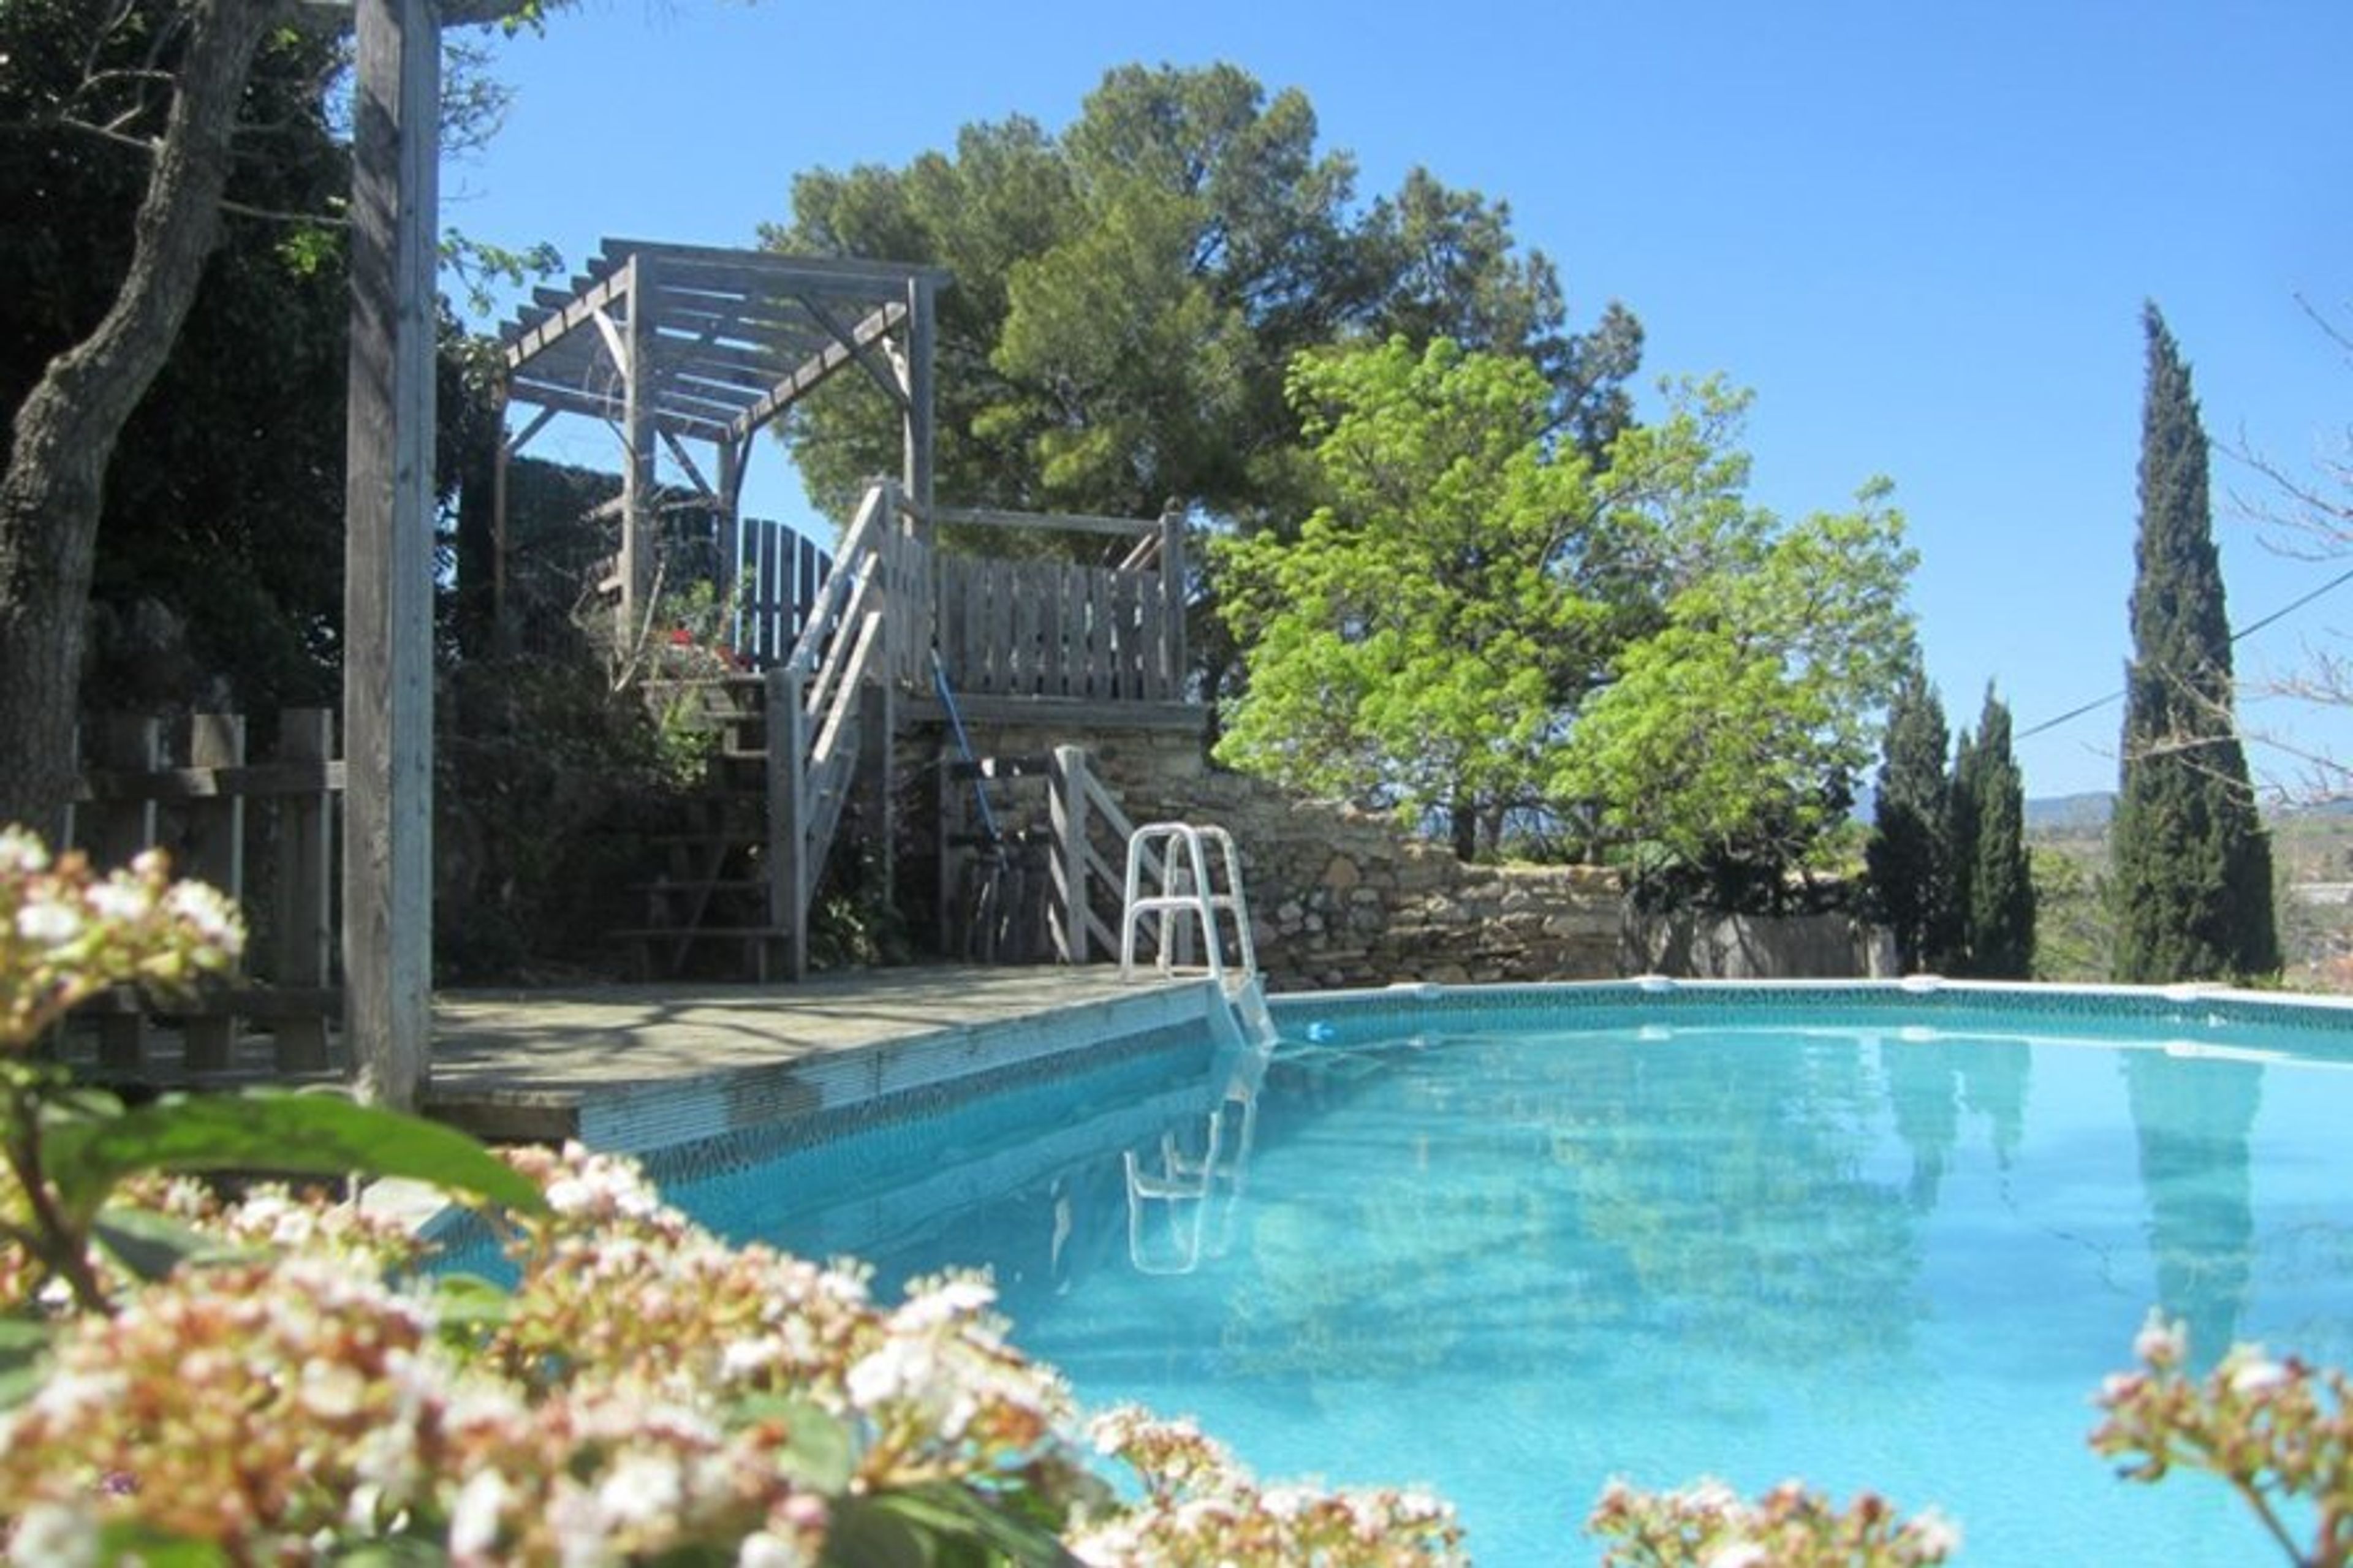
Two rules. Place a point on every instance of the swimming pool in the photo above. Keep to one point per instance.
(1511, 1243)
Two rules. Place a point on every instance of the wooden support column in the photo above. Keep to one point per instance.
(915, 380)
(788, 872)
(637, 440)
(388, 554)
(1172, 599)
(730, 498)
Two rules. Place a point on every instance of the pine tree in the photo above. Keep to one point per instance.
(1998, 921)
(1904, 858)
(2193, 882)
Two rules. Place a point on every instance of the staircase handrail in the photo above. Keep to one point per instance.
(1080, 802)
(853, 565)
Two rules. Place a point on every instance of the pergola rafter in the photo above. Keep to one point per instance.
(675, 343)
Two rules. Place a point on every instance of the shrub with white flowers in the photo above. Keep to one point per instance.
(277, 1378)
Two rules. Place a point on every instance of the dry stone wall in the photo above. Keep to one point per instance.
(1341, 897)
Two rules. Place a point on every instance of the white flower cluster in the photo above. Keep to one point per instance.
(67, 933)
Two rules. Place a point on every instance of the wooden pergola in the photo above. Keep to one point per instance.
(691, 350)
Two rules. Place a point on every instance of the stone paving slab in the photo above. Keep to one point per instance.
(635, 1068)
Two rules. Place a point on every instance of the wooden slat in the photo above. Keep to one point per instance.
(1059, 522)
(564, 319)
(1100, 645)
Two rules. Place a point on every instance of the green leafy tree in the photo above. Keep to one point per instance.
(1907, 857)
(66, 426)
(1414, 648)
(172, 358)
(2192, 883)
(1725, 748)
(1481, 617)
(1996, 907)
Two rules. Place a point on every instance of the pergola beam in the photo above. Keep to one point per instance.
(823, 363)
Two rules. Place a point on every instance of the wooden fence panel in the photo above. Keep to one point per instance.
(264, 833)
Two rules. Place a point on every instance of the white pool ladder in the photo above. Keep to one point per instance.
(1187, 894)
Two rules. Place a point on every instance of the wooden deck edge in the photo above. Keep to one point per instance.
(644, 1116)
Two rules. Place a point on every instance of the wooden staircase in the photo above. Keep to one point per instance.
(790, 746)
(706, 902)
(799, 746)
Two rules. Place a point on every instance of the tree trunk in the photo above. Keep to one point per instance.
(65, 431)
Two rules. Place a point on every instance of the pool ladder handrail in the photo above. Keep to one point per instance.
(1185, 890)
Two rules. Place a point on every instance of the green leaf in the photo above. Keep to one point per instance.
(135, 1540)
(867, 1534)
(466, 1301)
(821, 1453)
(273, 1133)
(949, 1524)
(149, 1246)
(401, 1551)
(23, 1352)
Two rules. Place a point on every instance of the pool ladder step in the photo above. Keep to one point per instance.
(1199, 898)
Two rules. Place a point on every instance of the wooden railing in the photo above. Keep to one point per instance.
(1109, 632)
(1091, 832)
(261, 831)
(1052, 894)
(866, 635)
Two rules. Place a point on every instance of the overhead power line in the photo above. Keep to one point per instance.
(2246, 631)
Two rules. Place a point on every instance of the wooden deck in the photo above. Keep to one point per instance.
(633, 1069)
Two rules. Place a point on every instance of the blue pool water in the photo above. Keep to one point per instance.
(1510, 1248)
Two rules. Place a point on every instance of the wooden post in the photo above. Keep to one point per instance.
(788, 868)
(637, 563)
(504, 638)
(733, 600)
(1068, 803)
(216, 854)
(306, 845)
(111, 833)
(1172, 598)
(916, 382)
(388, 555)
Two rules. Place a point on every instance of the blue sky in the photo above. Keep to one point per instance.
(1921, 235)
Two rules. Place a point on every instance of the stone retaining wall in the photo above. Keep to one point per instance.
(1341, 897)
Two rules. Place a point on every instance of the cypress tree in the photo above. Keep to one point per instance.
(1961, 815)
(1999, 919)
(1904, 858)
(2194, 880)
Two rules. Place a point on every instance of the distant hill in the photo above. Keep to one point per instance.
(2086, 813)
